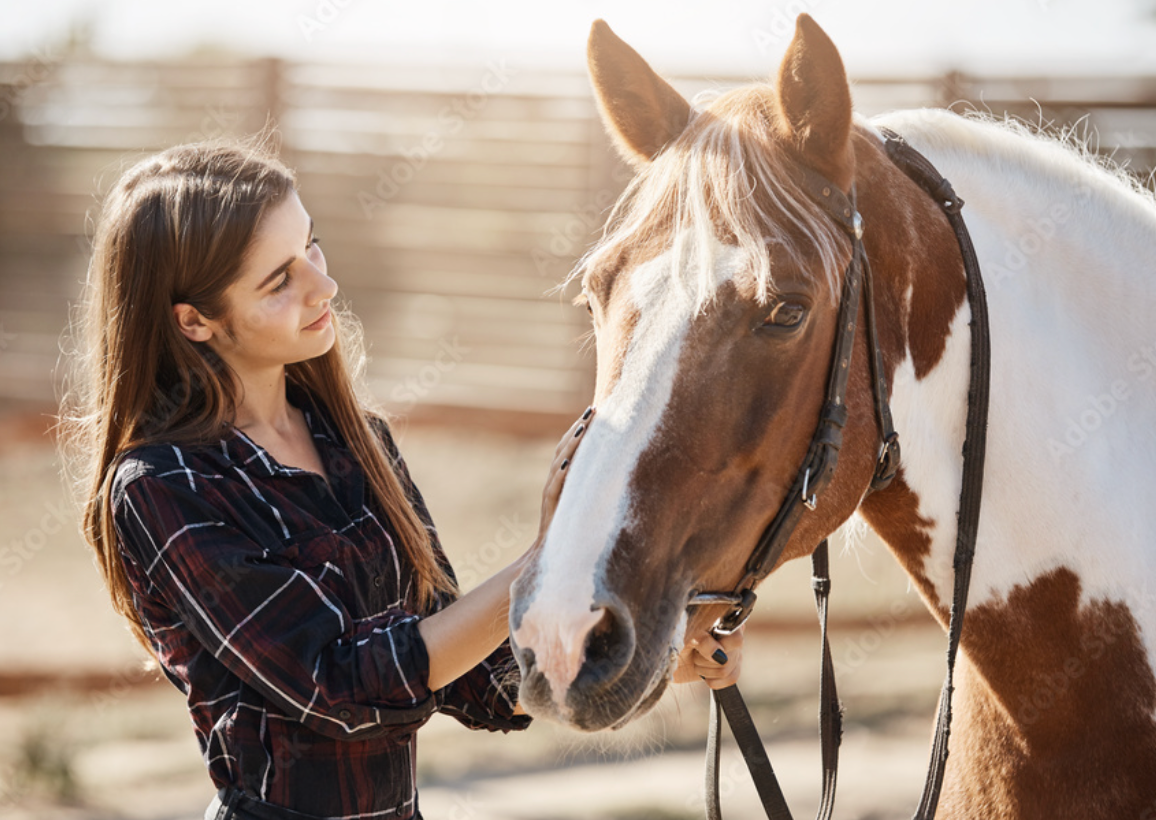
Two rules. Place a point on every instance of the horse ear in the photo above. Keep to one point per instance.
(640, 110)
(815, 100)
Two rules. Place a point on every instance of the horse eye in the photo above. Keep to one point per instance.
(786, 314)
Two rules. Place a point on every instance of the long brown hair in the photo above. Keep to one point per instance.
(174, 229)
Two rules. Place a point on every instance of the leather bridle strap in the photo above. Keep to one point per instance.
(923, 173)
(820, 462)
(811, 480)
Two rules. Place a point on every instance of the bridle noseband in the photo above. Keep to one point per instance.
(816, 473)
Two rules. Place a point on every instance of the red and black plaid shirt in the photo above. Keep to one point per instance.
(281, 608)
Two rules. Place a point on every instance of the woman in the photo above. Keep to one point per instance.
(255, 523)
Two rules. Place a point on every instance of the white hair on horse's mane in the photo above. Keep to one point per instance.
(726, 174)
(1069, 154)
(705, 183)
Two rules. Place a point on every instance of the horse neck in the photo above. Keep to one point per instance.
(1064, 559)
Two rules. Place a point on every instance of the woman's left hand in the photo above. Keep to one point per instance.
(714, 660)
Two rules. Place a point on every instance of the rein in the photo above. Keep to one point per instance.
(815, 475)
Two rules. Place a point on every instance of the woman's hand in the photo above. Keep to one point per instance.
(563, 454)
(715, 660)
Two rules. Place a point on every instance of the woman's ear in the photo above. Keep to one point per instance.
(191, 323)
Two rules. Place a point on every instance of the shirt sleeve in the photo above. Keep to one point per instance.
(268, 622)
(484, 697)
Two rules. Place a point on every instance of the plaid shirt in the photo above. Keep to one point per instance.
(281, 608)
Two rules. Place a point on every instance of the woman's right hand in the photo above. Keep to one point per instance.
(563, 455)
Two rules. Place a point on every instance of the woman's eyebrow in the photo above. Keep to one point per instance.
(280, 269)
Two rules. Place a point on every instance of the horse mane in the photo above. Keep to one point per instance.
(725, 178)
(1069, 155)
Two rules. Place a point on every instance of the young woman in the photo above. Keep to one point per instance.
(255, 523)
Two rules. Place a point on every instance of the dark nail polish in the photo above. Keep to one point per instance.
(565, 464)
(578, 432)
(589, 412)
(719, 657)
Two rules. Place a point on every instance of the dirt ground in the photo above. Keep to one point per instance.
(85, 733)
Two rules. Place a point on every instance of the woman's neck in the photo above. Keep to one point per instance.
(264, 404)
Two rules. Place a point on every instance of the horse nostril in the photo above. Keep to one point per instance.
(609, 647)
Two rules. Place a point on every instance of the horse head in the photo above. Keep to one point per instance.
(714, 294)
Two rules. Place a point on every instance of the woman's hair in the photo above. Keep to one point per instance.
(174, 229)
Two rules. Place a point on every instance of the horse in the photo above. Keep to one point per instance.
(713, 292)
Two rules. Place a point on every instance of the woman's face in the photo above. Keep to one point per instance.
(277, 311)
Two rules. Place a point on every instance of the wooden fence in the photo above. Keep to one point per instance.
(451, 202)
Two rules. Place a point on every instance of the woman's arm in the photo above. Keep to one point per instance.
(460, 636)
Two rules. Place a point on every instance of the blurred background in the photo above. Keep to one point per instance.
(451, 156)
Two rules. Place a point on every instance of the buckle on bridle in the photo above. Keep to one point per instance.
(741, 604)
(888, 464)
(738, 616)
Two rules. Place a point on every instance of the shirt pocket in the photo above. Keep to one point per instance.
(315, 550)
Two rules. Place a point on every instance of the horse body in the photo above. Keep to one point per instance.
(708, 389)
(1060, 636)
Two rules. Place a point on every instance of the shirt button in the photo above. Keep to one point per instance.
(378, 581)
(345, 714)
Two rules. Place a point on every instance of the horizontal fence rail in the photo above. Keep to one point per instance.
(451, 202)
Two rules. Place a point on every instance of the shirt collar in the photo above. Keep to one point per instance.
(235, 448)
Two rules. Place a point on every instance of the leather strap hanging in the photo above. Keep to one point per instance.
(829, 435)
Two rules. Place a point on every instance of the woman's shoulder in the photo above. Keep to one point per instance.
(167, 462)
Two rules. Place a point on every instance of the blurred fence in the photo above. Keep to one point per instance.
(450, 201)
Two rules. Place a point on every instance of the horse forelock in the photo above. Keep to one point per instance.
(725, 179)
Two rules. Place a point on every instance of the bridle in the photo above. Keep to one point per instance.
(816, 472)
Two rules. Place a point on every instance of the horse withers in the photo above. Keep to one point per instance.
(714, 292)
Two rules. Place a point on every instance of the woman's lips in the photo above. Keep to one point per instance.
(322, 322)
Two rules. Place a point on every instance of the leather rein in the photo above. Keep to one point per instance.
(815, 475)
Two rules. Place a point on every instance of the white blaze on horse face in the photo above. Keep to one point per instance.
(595, 507)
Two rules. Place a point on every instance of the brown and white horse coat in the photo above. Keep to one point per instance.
(714, 293)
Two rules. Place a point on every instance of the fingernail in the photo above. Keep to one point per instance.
(589, 412)
(719, 657)
(565, 464)
(578, 432)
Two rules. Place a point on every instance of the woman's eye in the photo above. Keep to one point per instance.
(284, 283)
(786, 314)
